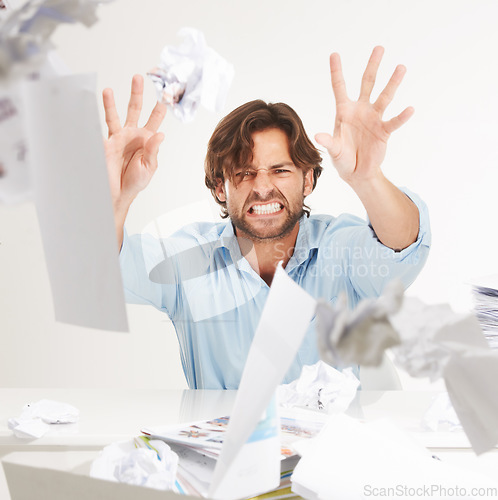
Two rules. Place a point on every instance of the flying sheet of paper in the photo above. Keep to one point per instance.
(470, 381)
(73, 202)
(281, 329)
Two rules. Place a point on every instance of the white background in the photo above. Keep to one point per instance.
(448, 153)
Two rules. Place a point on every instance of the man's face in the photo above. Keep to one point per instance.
(265, 199)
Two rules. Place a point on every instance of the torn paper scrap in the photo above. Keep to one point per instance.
(320, 387)
(139, 461)
(281, 329)
(441, 414)
(358, 336)
(36, 418)
(190, 75)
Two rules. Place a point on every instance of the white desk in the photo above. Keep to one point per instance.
(107, 416)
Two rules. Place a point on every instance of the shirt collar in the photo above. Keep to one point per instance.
(304, 243)
(228, 240)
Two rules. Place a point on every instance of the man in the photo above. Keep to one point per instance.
(213, 279)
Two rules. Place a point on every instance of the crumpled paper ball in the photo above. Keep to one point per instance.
(190, 75)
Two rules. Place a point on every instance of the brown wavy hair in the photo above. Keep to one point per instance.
(231, 144)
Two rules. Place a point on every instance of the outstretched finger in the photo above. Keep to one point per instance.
(329, 143)
(368, 80)
(151, 150)
(338, 84)
(395, 123)
(135, 104)
(111, 114)
(156, 117)
(387, 95)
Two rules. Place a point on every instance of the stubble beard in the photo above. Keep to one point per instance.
(269, 232)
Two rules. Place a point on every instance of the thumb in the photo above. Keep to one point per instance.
(151, 149)
(328, 142)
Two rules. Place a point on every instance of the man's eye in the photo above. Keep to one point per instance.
(244, 175)
(282, 171)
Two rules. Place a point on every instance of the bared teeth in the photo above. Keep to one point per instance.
(269, 208)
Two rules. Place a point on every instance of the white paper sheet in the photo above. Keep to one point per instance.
(281, 329)
(73, 202)
(471, 383)
(353, 460)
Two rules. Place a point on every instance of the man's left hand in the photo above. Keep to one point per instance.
(359, 143)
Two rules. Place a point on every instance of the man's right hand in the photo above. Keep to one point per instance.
(131, 152)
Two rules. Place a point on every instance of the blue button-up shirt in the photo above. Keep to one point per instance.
(214, 298)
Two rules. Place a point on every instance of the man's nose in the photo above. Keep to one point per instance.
(262, 183)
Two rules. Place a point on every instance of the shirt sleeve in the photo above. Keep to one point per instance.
(369, 265)
(139, 255)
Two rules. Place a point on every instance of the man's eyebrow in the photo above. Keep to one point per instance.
(271, 167)
(283, 164)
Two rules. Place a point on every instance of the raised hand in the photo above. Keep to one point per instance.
(131, 152)
(358, 145)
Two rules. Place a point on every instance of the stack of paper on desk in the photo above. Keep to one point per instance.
(485, 294)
